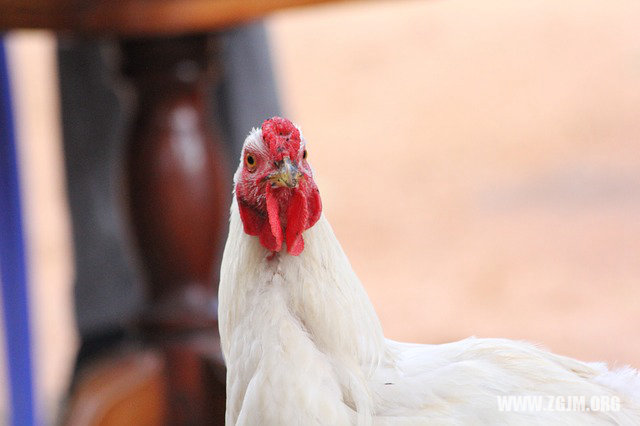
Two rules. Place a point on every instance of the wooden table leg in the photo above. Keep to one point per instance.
(178, 197)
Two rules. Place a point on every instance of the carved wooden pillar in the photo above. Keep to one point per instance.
(178, 196)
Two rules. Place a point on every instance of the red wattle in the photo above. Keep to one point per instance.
(314, 204)
(267, 228)
(273, 232)
(297, 219)
(252, 221)
(302, 213)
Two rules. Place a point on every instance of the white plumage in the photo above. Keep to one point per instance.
(303, 346)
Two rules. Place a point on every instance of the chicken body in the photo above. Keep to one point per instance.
(303, 346)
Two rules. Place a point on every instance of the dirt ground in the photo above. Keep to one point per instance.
(479, 161)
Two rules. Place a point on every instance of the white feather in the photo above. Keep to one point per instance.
(303, 346)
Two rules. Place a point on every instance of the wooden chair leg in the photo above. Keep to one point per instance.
(178, 198)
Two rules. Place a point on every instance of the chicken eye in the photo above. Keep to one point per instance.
(250, 162)
(304, 154)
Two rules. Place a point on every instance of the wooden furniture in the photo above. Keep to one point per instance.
(177, 201)
(136, 17)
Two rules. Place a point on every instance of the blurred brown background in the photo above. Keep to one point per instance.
(479, 161)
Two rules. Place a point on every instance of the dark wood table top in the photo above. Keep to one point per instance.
(136, 17)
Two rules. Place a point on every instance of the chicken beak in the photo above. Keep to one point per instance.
(287, 175)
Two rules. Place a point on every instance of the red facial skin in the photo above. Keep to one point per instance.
(273, 213)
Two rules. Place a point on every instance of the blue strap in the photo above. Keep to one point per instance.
(12, 265)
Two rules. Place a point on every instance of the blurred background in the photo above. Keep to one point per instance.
(479, 162)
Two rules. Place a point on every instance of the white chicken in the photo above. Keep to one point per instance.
(303, 345)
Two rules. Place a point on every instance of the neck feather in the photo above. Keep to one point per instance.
(320, 289)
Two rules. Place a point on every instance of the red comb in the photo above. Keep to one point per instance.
(282, 137)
